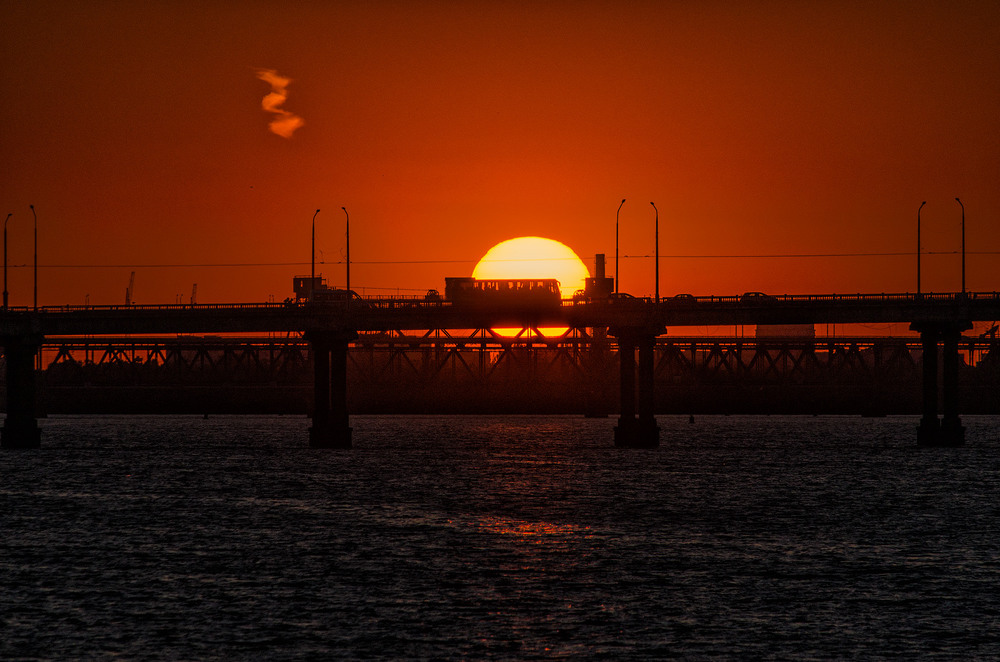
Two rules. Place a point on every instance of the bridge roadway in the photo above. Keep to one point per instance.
(385, 313)
(635, 322)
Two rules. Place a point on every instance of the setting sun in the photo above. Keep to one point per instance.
(534, 257)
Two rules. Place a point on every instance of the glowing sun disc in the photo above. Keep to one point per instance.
(534, 257)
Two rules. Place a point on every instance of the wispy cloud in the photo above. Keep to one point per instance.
(284, 123)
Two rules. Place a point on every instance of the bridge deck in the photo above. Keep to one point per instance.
(383, 314)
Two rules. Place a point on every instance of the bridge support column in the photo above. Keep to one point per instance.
(625, 430)
(930, 428)
(649, 432)
(948, 431)
(20, 428)
(595, 361)
(632, 432)
(952, 431)
(331, 426)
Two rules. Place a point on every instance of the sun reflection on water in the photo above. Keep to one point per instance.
(536, 533)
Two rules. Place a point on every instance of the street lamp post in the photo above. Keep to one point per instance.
(656, 257)
(616, 242)
(963, 243)
(35, 269)
(312, 260)
(5, 259)
(348, 247)
(918, 245)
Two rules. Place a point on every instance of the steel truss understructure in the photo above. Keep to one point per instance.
(483, 357)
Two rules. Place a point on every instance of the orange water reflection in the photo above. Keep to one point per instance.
(535, 533)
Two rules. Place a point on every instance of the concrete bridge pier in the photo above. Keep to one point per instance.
(948, 431)
(331, 427)
(930, 428)
(633, 431)
(20, 428)
(598, 396)
(952, 432)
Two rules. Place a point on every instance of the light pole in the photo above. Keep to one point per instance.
(312, 260)
(918, 245)
(616, 243)
(348, 247)
(657, 253)
(5, 259)
(963, 243)
(35, 269)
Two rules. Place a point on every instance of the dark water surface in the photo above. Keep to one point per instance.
(456, 538)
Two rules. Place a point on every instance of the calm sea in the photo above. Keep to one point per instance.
(509, 538)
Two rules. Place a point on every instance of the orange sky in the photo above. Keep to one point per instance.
(445, 127)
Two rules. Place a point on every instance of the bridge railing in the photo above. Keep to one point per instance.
(416, 301)
(757, 298)
(149, 307)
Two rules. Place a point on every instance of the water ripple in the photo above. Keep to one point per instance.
(456, 538)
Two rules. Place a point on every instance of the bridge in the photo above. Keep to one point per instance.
(634, 323)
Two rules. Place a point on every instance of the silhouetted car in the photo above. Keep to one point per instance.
(755, 297)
